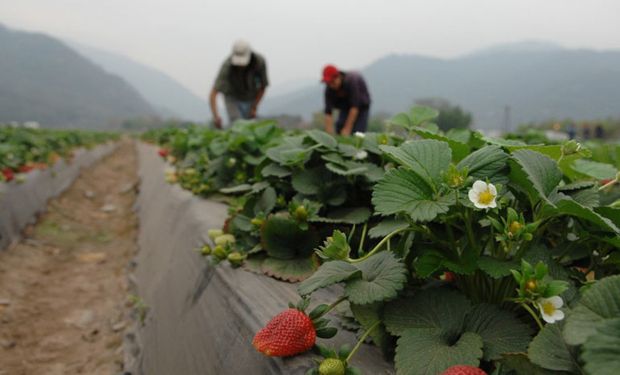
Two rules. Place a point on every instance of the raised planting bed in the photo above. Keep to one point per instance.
(200, 319)
(20, 202)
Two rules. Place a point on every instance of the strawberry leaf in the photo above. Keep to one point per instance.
(291, 270)
(601, 351)
(382, 277)
(402, 190)
(597, 304)
(349, 215)
(426, 158)
(328, 274)
(500, 330)
(279, 233)
(432, 308)
(535, 173)
(487, 162)
(549, 350)
(323, 138)
(428, 351)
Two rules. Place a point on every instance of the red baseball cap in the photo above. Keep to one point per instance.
(329, 73)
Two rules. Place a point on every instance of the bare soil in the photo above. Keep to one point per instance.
(63, 288)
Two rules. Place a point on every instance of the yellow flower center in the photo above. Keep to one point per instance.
(548, 308)
(486, 197)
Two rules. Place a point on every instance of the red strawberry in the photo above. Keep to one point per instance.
(8, 174)
(463, 370)
(291, 332)
(163, 152)
(448, 276)
(26, 168)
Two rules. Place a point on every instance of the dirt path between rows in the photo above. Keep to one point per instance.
(63, 289)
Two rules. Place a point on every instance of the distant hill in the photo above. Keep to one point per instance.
(160, 90)
(538, 81)
(43, 80)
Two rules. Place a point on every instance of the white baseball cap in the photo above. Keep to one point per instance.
(242, 53)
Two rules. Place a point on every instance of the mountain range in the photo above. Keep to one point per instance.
(513, 83)
(167, 96)
(43, 80)
(64, 84)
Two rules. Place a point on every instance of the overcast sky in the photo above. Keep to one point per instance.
(188, 39)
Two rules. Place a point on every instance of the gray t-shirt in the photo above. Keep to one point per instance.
(242, 83)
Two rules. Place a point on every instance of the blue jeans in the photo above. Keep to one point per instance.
(360, 124)
(237, 109)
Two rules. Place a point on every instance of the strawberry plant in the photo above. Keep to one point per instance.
(456, 252)
(23, 150)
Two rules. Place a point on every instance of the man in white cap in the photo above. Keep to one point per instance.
(242, 79)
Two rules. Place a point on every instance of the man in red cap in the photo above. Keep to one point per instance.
(347, 92)
(242, 79)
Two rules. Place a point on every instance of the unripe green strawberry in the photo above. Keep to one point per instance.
(231, 162)
(463, 370)
(257, 222)
(214, 233)
(289, 333)
(219, 252)
(301, 213)
(236, 258)
(332, 366)
(205, 250)
(224, 239)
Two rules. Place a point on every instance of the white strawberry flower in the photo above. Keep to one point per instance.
(550, 308)
(483, 195)
(361, 155)
(360, 135)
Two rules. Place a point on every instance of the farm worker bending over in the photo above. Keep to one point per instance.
(347, 92)
(242, 79)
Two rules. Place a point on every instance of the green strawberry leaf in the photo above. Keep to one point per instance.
(597, 304)
(594, 169)
(308, 181)
(535, 173)
(431, 308)
(428, 351)
(328, 274)
(500, 330)
(266, 202)
(487, 162)
(382, 277)
(349, 215)
(349, 168)
(549, 350)
(497, 268)
(283, 239)
(292, 270)
(237, 189)
(567, 206)
(426, 158)
(275, 170)
(459, 149)
(402, 190)
(418, 115)
(323, 138)
(386, 227)
(601, 351)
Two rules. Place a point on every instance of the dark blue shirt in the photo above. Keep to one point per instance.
(352, 93)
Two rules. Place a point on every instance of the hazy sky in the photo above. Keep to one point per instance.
(188, 39)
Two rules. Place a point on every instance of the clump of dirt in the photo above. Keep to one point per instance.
(63, 288)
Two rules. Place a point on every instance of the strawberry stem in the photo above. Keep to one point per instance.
(533, 314)
(379, 245)
(361, 340)
(333, 305)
